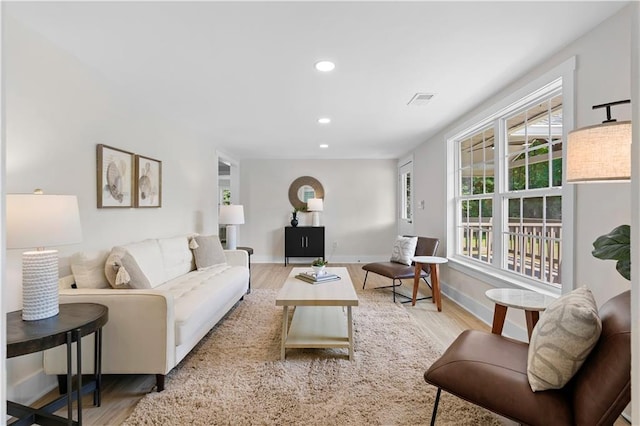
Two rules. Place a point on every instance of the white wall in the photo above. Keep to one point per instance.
(602, 75)
(56, 111)
(359, 208)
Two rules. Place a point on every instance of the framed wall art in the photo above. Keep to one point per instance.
(115, 177)
(148, 185)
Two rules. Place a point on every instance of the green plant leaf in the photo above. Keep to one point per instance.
(616, 245)
(624, 267)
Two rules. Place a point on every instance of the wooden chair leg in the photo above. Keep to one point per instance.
(435, 407)
(365, 279)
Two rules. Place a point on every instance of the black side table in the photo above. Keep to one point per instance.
(74, 321)
(249, 251)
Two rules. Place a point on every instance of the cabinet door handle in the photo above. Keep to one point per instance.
(301, 241)
(307, 240)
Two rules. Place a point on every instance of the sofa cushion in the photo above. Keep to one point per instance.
(200, 293)
(176, 256)
(404, 249)
(88, 269)
(148, 257)
(563, 338)
(209, 252)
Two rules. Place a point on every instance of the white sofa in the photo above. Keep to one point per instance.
(165, 309)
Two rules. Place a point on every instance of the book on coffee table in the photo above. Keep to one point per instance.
(314, 278)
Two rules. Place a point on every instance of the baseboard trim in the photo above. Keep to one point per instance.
(482, 312)
(31, 388)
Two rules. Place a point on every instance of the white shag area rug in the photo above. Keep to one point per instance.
(235, 375)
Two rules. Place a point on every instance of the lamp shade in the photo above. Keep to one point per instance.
(39, 220)
(231, 215)
(315, 205)
(600, 153)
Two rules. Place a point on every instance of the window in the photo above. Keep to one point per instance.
(508, 192)
(406, 196)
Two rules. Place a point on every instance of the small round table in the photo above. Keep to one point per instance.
(530, 301)
(74, 321)
(434, 264)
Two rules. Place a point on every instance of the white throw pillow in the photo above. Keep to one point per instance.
(404, 249)
(88, 269)
(562, 339)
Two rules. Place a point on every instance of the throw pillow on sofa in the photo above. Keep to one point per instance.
(562, 339)
(209, 252)
(123, 271)
(404, 249)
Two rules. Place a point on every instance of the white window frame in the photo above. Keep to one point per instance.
(489, 273)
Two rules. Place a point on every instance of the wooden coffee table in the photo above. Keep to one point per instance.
(319, 317)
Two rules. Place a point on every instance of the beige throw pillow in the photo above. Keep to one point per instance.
(129, 277)
(404, 249)
(563, 338)
(209, 252)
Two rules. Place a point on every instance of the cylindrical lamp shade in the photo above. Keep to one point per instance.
(37, 221)
(315, 205)
(600, 153)
(231, 215)
(42, 220)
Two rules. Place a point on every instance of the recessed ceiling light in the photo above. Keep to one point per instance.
(325, 66)
(324, 145)
(324, 120)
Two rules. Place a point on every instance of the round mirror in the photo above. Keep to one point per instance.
(302, 189)
(305, 192)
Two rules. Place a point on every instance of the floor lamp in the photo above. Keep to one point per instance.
(231, 215)
(38, 221)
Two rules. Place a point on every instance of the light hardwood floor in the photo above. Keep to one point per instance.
(121, 393)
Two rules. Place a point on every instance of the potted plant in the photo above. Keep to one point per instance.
(318, 266)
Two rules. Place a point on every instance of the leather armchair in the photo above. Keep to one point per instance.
(491, 371)
(397, 271)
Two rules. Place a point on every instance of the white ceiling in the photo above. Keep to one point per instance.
(241, 73)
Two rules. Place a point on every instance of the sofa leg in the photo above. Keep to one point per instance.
(435, 407)
(160, 382)
(365, 279)
(62, 383)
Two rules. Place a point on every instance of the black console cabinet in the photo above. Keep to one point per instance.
(303, 241)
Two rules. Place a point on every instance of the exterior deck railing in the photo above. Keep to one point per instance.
(533, 249)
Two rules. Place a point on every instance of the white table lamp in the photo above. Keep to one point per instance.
(38, 221)
(315, 205)
(231, 215)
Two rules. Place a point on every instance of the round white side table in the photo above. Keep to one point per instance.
(530, 301)
(434, 264)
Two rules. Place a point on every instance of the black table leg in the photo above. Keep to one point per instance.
(69, 379)
(97, 368)
(79, 363)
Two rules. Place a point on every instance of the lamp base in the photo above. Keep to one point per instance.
(39, 284)
(231, 237)
(316, 219)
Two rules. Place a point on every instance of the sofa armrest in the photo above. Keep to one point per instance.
(139, 337)
(237, 258)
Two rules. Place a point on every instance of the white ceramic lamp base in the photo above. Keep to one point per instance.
(231, 237)
(316, 218)
(39, 284)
